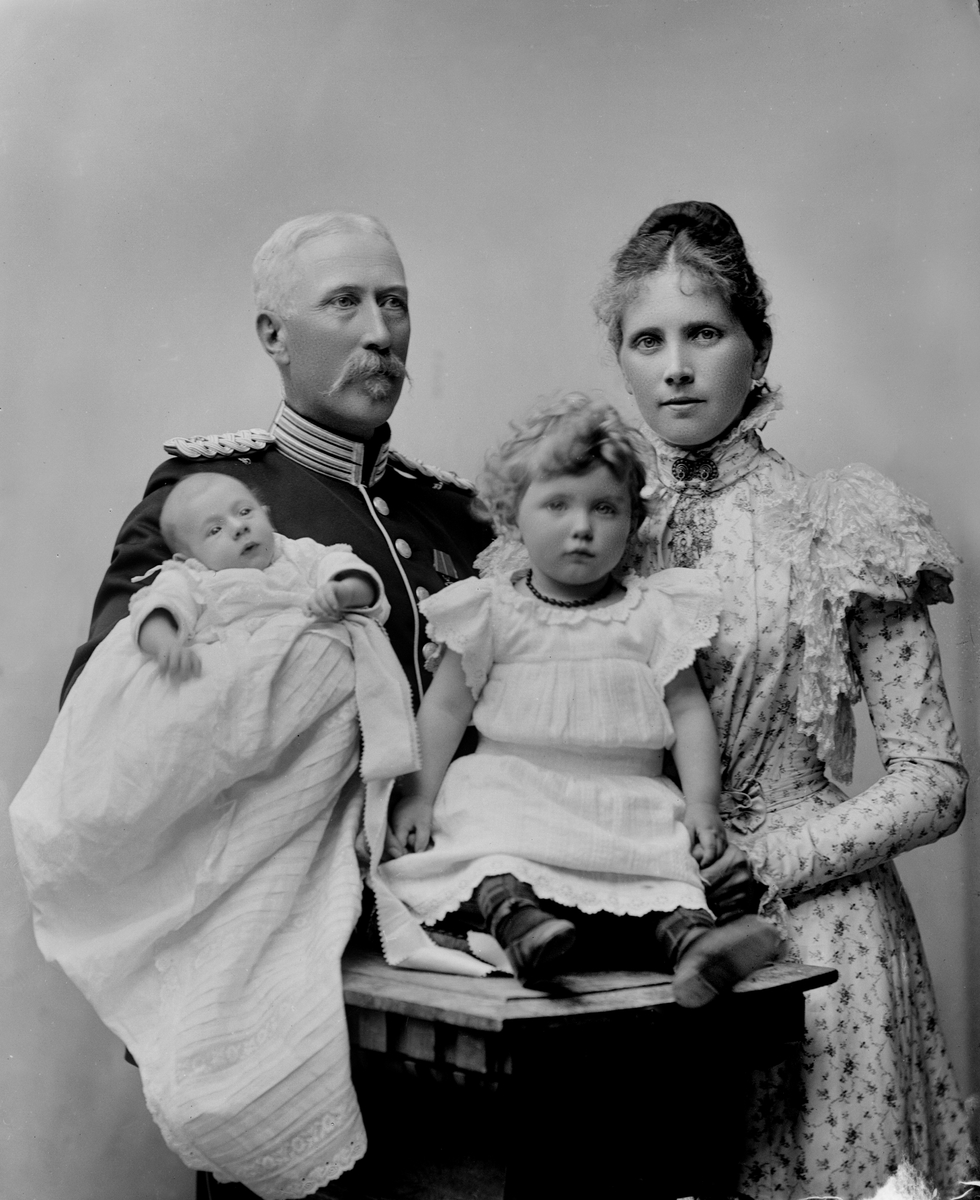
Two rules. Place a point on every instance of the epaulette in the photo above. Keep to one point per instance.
(441, 477)
(220, 445)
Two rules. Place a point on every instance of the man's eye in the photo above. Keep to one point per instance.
(343, 302)
(244, 512)
(395, 302)
(213, 530)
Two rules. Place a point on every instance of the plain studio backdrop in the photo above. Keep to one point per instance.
(510, 146)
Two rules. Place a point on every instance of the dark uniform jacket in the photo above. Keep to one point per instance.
(414, 525)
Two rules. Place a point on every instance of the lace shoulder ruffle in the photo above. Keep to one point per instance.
(460, 617)
(847, 534)
(688, 606)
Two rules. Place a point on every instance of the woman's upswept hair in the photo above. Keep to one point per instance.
(566, 437)
(693, 236)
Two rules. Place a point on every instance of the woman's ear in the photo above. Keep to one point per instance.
(178, 557)
(763, 350)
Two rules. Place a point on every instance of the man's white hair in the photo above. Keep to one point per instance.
(273, 271)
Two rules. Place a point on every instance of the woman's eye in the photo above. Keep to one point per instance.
(607, 510)
(707, 335)
(646, 341)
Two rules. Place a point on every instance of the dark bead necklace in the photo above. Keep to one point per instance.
(601, 594)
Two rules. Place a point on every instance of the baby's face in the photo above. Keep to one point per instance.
(225, 526)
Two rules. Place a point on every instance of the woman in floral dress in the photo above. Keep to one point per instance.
(826, 582)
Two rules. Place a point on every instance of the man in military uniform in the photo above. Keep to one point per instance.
(333, 316)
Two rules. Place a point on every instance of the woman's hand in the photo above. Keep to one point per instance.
(731, 888)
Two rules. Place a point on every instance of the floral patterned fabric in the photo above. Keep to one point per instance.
(824, 582)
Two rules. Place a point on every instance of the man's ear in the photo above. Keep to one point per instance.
(272, 335)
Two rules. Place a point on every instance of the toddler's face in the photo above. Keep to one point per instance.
(575, 528)
(225, 526)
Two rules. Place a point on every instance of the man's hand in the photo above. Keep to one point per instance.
(708, 837)
(409, 826)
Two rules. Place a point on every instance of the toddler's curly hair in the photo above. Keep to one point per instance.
(569, 436)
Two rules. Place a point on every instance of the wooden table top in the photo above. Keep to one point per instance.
(492, 1003)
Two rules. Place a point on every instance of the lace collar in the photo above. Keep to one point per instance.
(721, 462)
(328, 453)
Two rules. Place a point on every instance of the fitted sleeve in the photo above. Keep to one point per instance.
(175, 591)
(684, 605)
(920, 798)
(460, 617)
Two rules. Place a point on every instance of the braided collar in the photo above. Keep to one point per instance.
(327, 453)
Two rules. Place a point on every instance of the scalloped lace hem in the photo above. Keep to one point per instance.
(287, 1185)
(664, 896)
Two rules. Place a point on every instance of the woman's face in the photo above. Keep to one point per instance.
(686, 360)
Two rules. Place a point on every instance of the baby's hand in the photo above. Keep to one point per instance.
(708, 837)
(178, 663)
(328, 602)
(332, 600)
(409, 826)
(159, 640)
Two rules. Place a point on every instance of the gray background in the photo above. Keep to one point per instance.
(149, 148)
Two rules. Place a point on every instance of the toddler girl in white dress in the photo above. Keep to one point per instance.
(577, 682)
(188, 834)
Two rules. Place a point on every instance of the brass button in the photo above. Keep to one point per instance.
(422, 593)
(403, 548)
(381, 506)
(429, 649)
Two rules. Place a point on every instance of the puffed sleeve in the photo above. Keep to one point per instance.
(460, 617)
(176, 592)
(683, 605)
(921, 796)
(866, 561)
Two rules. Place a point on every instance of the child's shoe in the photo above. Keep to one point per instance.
(718, 959)
(534, 941)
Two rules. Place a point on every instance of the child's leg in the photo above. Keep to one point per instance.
(533, 939)
(709, 959)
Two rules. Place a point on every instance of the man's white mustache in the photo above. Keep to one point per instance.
(366, 364)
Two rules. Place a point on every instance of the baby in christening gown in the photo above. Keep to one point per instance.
(577, 682)
(188, 834)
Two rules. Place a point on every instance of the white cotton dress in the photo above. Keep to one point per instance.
(825, 583)
(564, 789)
(189, 851)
